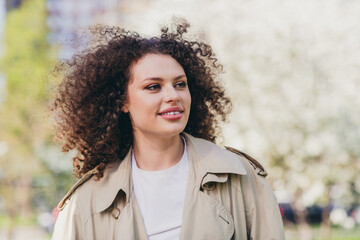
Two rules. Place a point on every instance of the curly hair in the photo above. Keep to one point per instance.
(93, 89)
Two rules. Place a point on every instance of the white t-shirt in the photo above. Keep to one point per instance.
(160, 196)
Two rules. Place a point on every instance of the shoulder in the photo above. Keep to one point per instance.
(76, 208)
(217, 159)
(257, 167)
(84, 179)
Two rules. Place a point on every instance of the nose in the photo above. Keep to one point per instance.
(171, 95)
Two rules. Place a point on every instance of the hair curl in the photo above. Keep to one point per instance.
(93, 89)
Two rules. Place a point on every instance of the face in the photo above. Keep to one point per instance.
(158, 99)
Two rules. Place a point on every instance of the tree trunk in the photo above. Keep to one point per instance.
(305, 230)
(8, 193)
(325, 227)
(23, 194)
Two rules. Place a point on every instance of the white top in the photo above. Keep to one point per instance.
(160, 196)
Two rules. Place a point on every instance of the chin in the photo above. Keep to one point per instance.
(174, 131)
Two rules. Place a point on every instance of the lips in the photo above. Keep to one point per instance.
(171, 111)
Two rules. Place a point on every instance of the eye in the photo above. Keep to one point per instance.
(153, 87)
(181, 84)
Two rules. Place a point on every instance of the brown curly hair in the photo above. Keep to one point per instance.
(93, 89)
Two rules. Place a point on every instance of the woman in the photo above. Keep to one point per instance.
(143, 114)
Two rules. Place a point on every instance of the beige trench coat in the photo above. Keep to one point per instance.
(227, 197)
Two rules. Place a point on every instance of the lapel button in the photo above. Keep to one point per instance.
(115, 213)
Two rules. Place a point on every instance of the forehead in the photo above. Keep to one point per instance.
(156, 65)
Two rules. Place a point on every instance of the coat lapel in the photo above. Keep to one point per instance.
(116, 196)
(205, 217)
(130, 224)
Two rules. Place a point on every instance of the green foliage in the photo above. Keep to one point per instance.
(27, 63)
(28, 55)
(28, 58)
(336, 233)
(5, 221)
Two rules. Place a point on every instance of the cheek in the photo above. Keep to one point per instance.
(187, 98)
(144, 105)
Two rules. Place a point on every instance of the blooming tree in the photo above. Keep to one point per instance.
(293, 72)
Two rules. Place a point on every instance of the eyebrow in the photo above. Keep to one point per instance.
(161, 79)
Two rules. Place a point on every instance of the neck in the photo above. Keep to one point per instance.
(154, 154)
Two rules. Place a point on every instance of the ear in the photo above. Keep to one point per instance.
(125, 108)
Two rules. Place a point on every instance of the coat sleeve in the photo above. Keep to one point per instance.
(68, 225)
(262, 210)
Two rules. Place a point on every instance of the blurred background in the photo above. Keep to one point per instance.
(291, 67)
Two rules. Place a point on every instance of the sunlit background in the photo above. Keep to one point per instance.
(291, 67)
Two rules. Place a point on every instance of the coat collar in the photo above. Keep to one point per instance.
(211, 164)
(117, 177)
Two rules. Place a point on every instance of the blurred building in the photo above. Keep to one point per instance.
(2, 44)
(11, 4)
(67, 18)
(2, 27)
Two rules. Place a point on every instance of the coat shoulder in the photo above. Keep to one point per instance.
(86, 177)
(258, 168)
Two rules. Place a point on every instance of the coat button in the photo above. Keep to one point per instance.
(209, 186)
(115, 213)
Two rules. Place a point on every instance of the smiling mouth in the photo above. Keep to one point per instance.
(170, 113)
